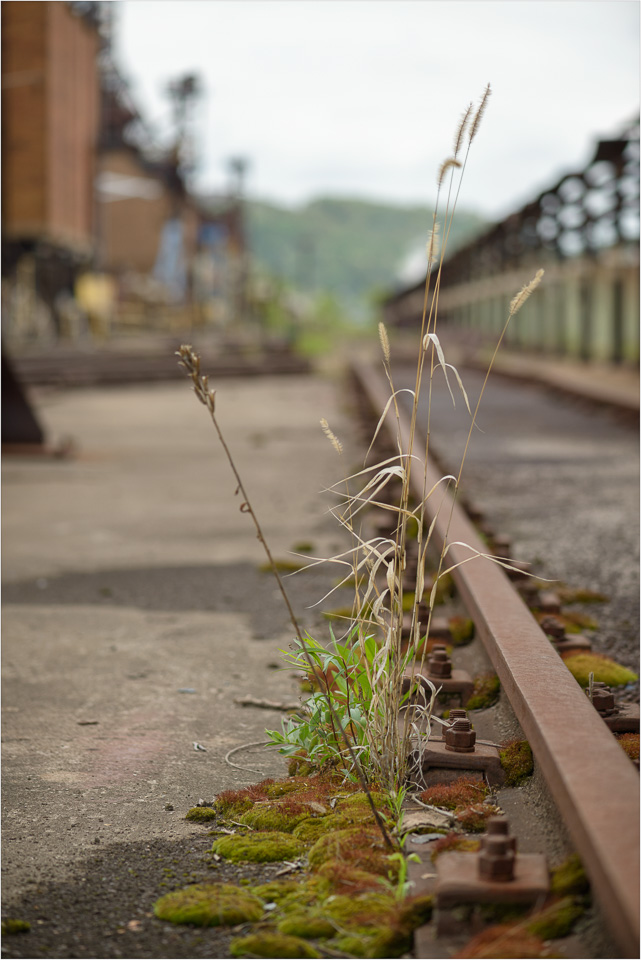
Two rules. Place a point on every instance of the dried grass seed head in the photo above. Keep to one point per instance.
(448, 164)
(382, 335)
(433, 243)
(478, 116)
(460, 130)
(525, 292)
(331, 436)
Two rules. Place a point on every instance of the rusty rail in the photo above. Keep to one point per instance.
(592, 782)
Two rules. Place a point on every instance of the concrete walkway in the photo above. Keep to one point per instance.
(135, 611)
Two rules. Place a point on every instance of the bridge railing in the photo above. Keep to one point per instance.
(584, 231)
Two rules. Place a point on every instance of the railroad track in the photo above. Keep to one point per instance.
(593, 784)
(117, 365)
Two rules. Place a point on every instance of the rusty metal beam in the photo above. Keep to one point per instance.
(592, 782)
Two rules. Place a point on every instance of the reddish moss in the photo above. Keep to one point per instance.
(361, 848)
(461, 793)
(630, 743)
(455, 841)
(504, 941)
(474, 819)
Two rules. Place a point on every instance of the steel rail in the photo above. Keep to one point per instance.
(592, 782)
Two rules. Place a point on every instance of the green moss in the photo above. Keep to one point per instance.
(310, 925)
(259, 847)
(415, 911)
(575, 622)
(303, 547)
(487, 689)
(570, 595)
(276, 890)
(556, 920)
(351, 945)
(569, 878)
(9, 926)
(340, 613)
(201, 814)
(283, 818)
(366, 910)
(209, 905)
(283, 566)
(581, 665)
(358, 807)
(461, 630)
(517, 761)
(312, 829)
(281, 788)
(271, 945)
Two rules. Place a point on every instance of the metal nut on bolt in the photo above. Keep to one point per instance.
(553, 627)
(438, 663)
(496, 859)
(499, 827)
(459, 736)
(602, 699)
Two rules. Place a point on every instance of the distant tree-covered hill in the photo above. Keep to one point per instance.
(346, 247)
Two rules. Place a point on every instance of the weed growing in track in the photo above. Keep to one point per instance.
(358, 719)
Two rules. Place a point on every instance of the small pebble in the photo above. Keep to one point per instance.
(169, 806)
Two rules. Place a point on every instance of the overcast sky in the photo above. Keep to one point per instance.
(362, 97)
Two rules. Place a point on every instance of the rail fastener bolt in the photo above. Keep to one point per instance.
(459, 736)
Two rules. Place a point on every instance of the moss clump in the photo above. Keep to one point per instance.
(271, 945)
(209, 905)
(630, 743)
(569, 878)
(276, 891)
(264, 847)
(9, 926)
(312, 829)
(461, 630)
(557, 920)
(461, 793)
(574, 622)
(474, 819)
(570, 595)
(455, 841)
(283, 566)
(282, 817)
(201, 814)
(517, 761)
(310, 925)
(358, 847)
(358, 808)
(487, 689)
(581, 665)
